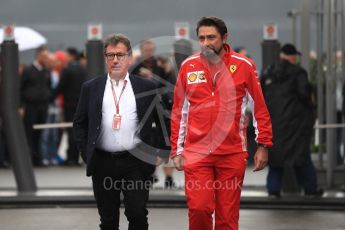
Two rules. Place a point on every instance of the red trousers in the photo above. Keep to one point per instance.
(214, 183)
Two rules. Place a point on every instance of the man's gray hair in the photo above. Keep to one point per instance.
(114, 39)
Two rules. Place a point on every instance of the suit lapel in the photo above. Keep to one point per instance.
(136, 91)
(135, 87)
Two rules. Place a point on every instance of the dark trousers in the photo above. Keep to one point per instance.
(305, 174)
(35, 114)
(72, 152)
(113, 176)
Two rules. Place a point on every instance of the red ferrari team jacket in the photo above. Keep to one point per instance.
(210, 100)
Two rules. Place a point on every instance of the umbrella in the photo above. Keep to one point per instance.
(26, 38)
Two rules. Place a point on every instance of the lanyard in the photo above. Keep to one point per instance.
(117, 102)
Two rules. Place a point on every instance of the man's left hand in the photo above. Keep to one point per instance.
(159, 161)
(260, 158)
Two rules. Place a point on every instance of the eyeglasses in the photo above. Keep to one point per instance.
(119, 56)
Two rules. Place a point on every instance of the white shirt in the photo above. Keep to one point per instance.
(126, 137)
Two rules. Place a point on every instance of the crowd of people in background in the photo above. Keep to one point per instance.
(49, 92)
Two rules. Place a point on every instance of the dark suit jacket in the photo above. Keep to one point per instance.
(71, 80)
(88, 117)
(35, 86)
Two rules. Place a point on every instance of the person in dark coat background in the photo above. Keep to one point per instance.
(71, 80)
(146, 65)
(35, 98)
(288, 96)
(171, 65)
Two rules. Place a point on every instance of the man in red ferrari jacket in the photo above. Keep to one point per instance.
(208, 127)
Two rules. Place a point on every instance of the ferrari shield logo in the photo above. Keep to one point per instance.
(232, 68)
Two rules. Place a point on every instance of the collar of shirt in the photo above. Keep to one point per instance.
(38, 66)
(121, 81)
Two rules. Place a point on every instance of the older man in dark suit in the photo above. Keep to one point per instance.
(112, 130)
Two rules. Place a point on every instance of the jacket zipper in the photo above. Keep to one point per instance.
(213, 91)
(214, 83)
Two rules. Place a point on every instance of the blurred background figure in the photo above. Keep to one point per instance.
(21, 68)
(288, 96)
(339, 105)
(162, 70)
(51, 137)
(183, 48)
(35, 97)
(82, 59)
(241, 50)
(146, 64)
(71, 79)
(171, 65)
(313, 68)
(166, 92)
